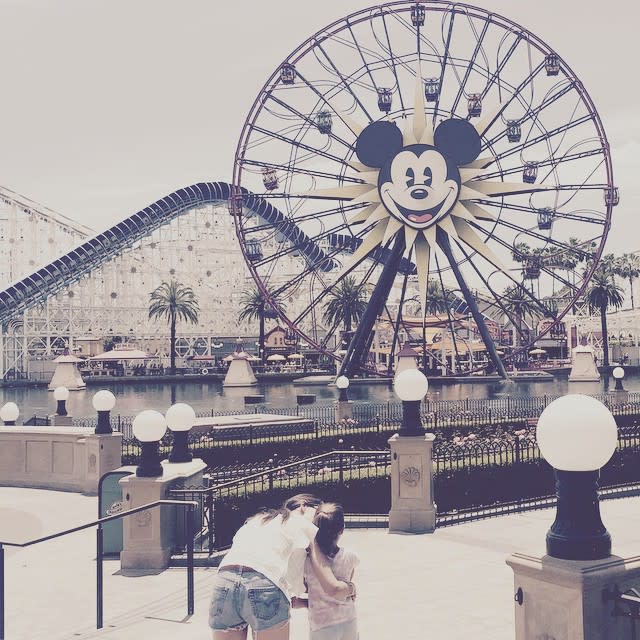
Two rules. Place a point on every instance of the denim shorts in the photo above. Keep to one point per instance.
(243, 597)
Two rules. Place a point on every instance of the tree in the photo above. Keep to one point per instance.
(347, 303)
(518, 302)
(174, 301)
(256, 306)
(628, 267)
(602, 294)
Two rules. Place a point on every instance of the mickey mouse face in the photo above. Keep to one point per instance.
(419, 184)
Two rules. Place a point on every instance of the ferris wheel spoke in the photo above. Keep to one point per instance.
(470, 66)
(541, 138)
(552, 162)
(312, 123)
(289, 168)
(392, 59)
(344, 81)
(443, 66)
(299, 145)
(535, 212)
(496, 75)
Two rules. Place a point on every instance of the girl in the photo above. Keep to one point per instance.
(330, 618)
(251, 587)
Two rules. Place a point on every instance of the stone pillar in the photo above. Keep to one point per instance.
(343, 409)
(149, 536)
(103, 453)
(60, 421)
(412, 506)
(567, 599)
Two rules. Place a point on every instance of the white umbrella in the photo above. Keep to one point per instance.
(276, 357)
(122, 354)
(537, 352)
(296, 356)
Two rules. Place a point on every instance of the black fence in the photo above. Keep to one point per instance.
(475, 476)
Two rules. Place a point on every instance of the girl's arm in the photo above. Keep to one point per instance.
(332, 586)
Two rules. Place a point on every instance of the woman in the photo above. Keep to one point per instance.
(253, 583)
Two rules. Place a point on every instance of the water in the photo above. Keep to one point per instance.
(133, 398)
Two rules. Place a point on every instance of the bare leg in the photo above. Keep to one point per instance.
(279, 632)
(230, 634)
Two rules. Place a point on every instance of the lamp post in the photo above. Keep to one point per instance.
(411, 386)
(103, 402)
(148, 427)
(180, 418)
(618, 374)
(342, 382)
(412, 507)
(61, 395)
(577, 435)
(9, 413)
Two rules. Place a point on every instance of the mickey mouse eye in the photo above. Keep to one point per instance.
(428, 176)
(411, 177)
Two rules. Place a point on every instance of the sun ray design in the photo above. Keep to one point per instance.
(410, 185)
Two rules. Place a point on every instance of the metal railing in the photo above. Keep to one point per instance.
(190, 527)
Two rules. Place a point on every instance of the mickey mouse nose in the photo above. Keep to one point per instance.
(419, 194)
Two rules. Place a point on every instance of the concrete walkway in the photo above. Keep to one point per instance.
(453, 584)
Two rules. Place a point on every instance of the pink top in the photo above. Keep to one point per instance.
(324, 610)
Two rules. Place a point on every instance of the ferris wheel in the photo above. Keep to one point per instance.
(440, 161)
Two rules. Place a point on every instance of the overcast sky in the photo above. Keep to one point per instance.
(108, 105)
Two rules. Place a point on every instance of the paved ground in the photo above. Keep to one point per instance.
(453, 584)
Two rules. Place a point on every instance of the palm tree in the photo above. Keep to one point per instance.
(628, 267)
(173, 301)
(519, 303)
(256, 306)
(347, 303)
(438, 300)
(602, 294)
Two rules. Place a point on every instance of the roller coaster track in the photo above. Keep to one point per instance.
(71, 267)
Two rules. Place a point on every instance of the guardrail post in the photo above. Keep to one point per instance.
(1, 592)
(99, 579)
(190, 536)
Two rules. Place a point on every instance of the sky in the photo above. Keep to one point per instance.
(109, 105)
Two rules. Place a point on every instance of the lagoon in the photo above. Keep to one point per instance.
(211, 396)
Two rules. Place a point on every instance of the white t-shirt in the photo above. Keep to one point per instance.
(323, 609)
(267, 547)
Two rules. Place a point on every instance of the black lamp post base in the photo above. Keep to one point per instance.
(411, 423)
(578, 532)
(103, 426)
(61, 408)
(595, 547)
(149, 466)
(180, 450)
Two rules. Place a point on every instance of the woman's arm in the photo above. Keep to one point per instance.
(332, 586)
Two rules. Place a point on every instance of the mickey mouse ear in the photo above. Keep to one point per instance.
(378, 142)
(458, 140)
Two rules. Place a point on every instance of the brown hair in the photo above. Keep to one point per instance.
(293, 503)
(330, 522)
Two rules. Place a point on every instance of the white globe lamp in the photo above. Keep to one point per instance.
(149, 426)
(411, 386)
(342, 382)
(577, 435)
(180, 418)
(9, 413)
(103, 402)
(61, 395)
(618, 375)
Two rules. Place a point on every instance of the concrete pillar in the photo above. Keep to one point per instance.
(149, 536)
(569, 599)
(103, 453)
(412, 506)
(343, 409)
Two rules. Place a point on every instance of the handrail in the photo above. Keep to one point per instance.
(230, 483)
(189, 504)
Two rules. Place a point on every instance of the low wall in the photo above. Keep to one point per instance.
(66, 458)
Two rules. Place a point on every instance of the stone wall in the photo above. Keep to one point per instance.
(65, 458)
